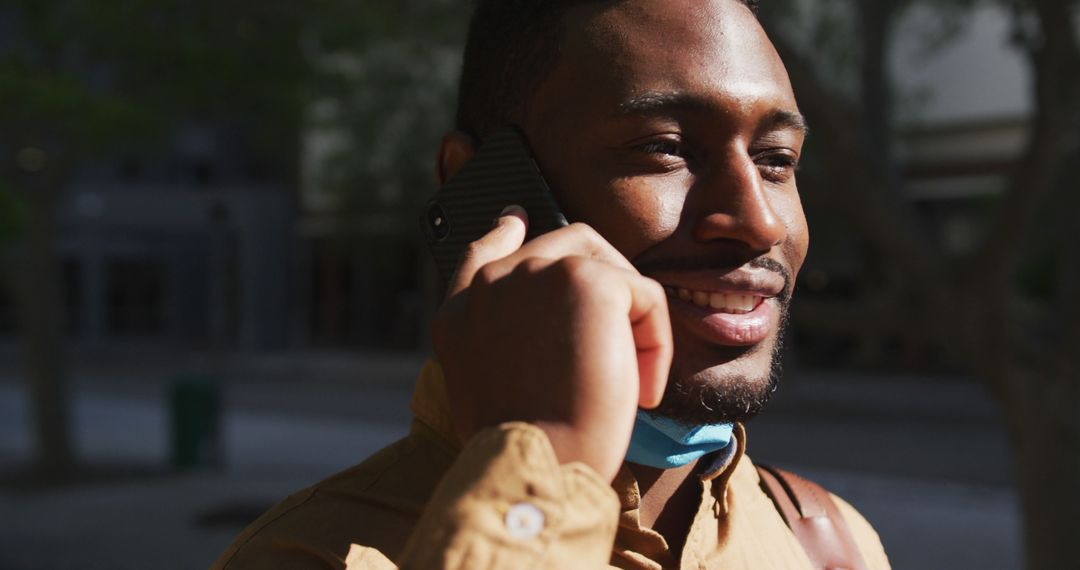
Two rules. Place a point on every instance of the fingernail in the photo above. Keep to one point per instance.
(512, 209)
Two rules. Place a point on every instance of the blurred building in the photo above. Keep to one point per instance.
(963, 108)
(203, 243)
(188, 245)
(964, 120)
(364, 274)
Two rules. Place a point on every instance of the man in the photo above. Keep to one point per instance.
(669, 131)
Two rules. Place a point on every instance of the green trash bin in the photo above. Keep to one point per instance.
(196, 422)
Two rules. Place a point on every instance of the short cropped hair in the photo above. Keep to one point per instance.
(511, 47)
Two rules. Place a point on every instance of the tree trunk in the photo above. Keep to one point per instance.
(876, 21)
(1048, 469)
(40, 302)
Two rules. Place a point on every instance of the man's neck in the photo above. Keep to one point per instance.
(669, 501)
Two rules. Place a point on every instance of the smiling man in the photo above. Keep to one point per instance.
(585, 408)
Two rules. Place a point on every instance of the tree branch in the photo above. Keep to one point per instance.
(1001, 334)
(1055, 61)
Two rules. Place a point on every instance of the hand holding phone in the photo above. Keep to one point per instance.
(560, 331)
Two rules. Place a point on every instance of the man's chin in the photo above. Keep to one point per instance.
(711, 398)
(725, 385)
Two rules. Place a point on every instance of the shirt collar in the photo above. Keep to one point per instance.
(431, 409)
(431, 405)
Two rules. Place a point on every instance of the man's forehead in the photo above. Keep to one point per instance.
(615, 22)
(629, 49)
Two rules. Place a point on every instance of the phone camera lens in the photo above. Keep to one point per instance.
(438, 225)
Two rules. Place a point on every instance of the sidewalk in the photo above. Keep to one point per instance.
(892, 446)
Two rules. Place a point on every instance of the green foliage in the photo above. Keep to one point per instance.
(385, 96)
(62, 106)
(83, 74)
(104, 76)
(12, 215)
(832, 30)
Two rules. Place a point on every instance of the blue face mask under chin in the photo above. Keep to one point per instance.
(665, 444)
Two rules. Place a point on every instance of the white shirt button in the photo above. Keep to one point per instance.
(524, 521)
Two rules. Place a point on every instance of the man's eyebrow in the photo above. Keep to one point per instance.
(780, 120)
(654, 102)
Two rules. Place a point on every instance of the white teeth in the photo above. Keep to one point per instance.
(736, 304)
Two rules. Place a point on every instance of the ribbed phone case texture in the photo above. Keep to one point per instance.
(501, 173)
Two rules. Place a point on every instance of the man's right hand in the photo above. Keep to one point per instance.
(562, 332)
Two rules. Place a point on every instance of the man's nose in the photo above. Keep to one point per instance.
(736, 205)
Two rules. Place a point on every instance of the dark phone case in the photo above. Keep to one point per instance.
(503, 172)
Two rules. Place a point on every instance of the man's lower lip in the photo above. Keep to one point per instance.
(727, 329)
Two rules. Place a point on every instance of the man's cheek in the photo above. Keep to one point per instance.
(638, 217)
(668, 213)
(798, 230)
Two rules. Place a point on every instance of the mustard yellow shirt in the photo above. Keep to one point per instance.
(504, 501)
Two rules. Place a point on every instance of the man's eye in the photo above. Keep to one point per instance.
(778, 167)
(668, 147)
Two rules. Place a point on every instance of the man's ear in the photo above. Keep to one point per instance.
(455, 150)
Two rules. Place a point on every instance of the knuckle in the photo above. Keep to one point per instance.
(576, 271)
(652, 285)
(475, 250)
(532, 265)
(486, 275)
(596, 244)
(586, 231)
(656, 289)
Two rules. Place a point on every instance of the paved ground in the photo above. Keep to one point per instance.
(922, 458)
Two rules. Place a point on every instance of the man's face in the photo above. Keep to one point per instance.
(671, 128)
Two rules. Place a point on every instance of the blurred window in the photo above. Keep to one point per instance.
(203, 173)
(135, 289)
(71, 273)
(365, 293)
(331, 293)
(7, 313)
(257, 171)
(130, 170)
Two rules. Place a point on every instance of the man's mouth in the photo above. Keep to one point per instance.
(733, 303)
(736, 318)
(725, 307)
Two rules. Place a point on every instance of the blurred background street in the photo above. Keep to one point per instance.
(923, 458)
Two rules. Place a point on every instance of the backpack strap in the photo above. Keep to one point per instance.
(813, 518)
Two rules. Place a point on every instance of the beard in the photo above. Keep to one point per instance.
(704, 398)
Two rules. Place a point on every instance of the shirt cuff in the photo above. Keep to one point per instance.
(508, 503)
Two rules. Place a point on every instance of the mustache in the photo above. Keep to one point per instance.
(718, 263)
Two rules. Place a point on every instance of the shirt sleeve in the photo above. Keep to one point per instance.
(508, 503)
(366, 558)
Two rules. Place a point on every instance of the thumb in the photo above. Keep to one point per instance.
(503, 239)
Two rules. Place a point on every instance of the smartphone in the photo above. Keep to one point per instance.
(503, 172)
